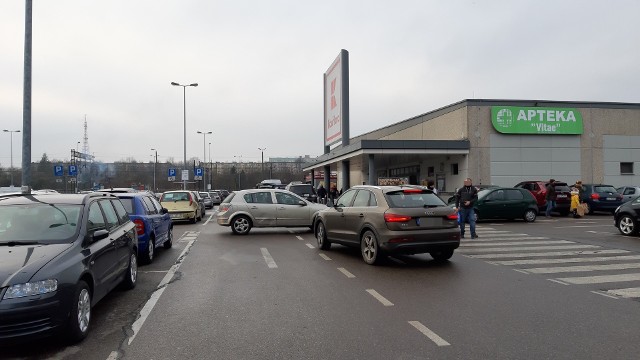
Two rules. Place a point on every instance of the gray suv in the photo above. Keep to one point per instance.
(389, 219)
(306, 191)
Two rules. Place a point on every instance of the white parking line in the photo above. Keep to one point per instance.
(582, 268)
(558, 281)
(267, 257)
(548, 242)
(504, 239)
(565, 260)
(379, 297)
(325, 257)
(516, 248)
(209, 219)
(346, 273)
(151, 303)
(553, 253)
(299, 237)
(605, 294)
(600, 279)
(310, 246)
(626, 293)
(428, 333)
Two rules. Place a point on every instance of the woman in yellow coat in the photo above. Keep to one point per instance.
(575, 202)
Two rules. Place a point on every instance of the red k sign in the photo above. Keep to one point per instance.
(333, 102)
(333, 94)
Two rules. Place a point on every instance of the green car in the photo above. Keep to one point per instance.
(505, 203)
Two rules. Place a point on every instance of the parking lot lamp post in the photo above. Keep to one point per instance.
(11, 141)
(184, 112)
(210, 168)
(262, 161)
(238, 170)
(204, 155)
(154, 171)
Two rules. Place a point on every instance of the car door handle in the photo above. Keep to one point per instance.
(361, 215)
(253, 207)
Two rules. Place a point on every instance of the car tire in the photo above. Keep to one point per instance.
(147, 257)
(80, 314)
(131, 276)
(627, 225)
(369, 248)
(194, 219)
(169, 242)
(240, 225)
(530, 215)
(442, 254)
(321, 237)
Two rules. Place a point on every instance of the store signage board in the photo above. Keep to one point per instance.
(536, 120)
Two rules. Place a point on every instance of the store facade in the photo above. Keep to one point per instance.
(500, 142)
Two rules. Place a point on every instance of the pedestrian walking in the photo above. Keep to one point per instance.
(466, 197)
(431, 185)
(550, 197)
(322, 194)
(333, 194)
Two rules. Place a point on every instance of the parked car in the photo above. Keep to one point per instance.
(223, 194)
(539, 191)
(118, 190)
(600, 197)
(182, 205)
(216, 198)
(153, 223)
(627, 217)
(245, 209)
(207, 200)
(629, 192)
(389, 219)
(61, 255)
(203, 208)
(506, 203)
(306, 191)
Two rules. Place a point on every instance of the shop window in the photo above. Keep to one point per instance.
(454, 169)
(626, 168)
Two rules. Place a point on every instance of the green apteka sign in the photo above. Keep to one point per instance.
(536, 120)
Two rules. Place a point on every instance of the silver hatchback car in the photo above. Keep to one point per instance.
(245, 209)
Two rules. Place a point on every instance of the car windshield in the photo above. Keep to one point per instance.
(44, 223)
(177, 196)
(562, 188)
(301, 189)
(413, 198)
(483, 193)
(604, 189)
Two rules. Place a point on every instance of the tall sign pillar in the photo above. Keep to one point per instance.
(336, 108)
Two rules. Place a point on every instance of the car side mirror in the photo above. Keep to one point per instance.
(164, 211)
(302, 203)
(100, 234)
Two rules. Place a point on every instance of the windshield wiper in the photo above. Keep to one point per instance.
(19, 243)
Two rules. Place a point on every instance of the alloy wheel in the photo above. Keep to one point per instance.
(626, 225)
(84, 310)
(133, 268)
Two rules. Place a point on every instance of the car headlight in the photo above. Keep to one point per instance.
(31, 288)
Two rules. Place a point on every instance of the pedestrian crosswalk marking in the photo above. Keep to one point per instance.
(582, 268)
(549, 242)
(501, 235)
(505, 239)
(542, 254)
(515, 248)
(600, 279)
(565, 260)
(626, 293)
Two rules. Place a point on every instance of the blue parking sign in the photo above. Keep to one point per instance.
(58, 170)
(172, 172)
(73, 170)
(199, 171)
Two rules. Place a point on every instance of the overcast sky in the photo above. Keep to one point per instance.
(259, 66)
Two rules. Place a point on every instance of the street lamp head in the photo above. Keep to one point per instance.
(194, 84)
(175, 84)
(209, 132)
(153, 149)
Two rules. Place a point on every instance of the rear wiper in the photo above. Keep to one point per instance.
(19, 243)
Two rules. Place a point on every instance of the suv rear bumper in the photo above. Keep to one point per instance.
(419, 242)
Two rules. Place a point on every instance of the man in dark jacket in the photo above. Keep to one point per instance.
(550, 197)
(322, 194)
(466, 197)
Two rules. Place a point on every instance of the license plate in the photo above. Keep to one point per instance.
(429, 221)
(611, 199)
(562, 196)
(305, 195)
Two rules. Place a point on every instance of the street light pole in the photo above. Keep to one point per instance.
(262, 161)
(154, 171)
(204, 150)
(11, 136)
(75, 162)
(210, 168)
(184, 110)
(238, 170)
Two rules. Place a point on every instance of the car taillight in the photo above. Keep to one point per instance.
(411, 191)
(401, 240)
(396, 218)
(190, 200)
(453, 216)
(595, 196)
(139, 226)
(224, 208)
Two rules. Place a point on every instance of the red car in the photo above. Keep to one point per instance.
(539, 191)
